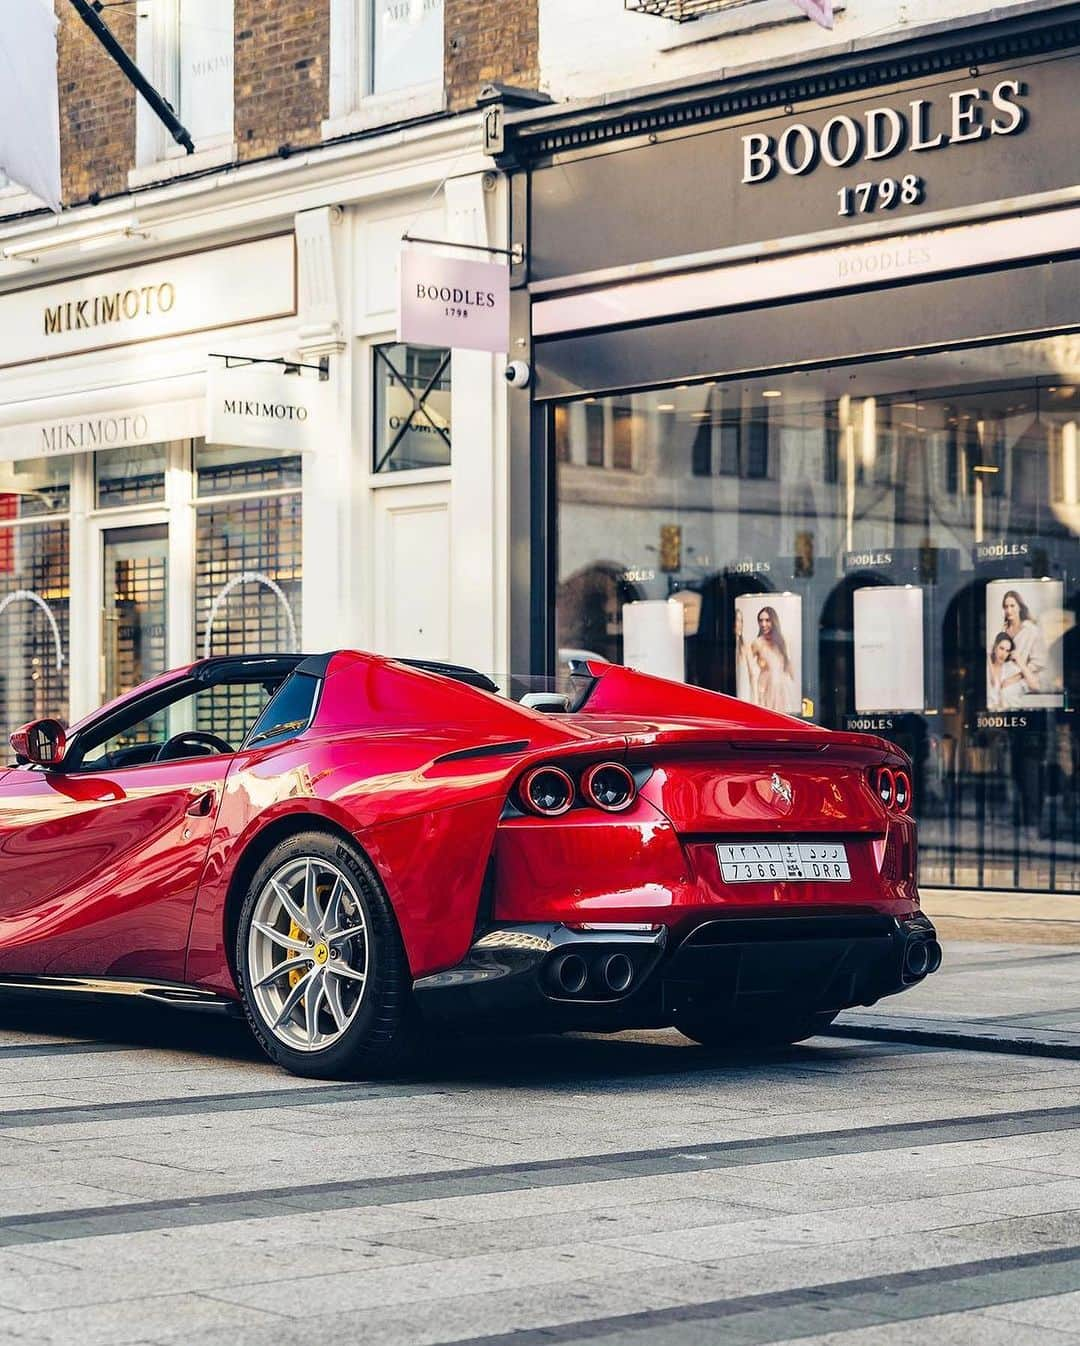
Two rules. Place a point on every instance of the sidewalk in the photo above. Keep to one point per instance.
(1004, 917)
(994, 996)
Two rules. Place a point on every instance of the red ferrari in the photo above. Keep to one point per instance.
(348, 845)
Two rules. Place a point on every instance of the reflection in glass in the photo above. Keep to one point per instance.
(945, 480)
(134, 476)
(35, 590)
(412, 408)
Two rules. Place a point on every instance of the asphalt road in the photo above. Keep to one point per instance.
(160, 1183)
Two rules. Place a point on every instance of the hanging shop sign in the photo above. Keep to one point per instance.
(447, 302)
(261, 407)
(172, 296)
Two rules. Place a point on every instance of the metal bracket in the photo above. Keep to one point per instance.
(288, 366)
(516, 251)
(162, 108)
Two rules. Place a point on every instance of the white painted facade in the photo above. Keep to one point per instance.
(600, 47)
(411, 562)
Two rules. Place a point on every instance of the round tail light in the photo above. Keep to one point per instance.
(886, 786)
(547, 790)
(903, 791)
(609, 786)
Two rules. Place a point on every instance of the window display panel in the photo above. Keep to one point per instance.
(768, 651)
(889, 667)
(248, 566)
(910, 529)
(35, 586)
(1025, 652)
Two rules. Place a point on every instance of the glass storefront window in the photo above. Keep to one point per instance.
(888, 547)
(228, 471)
(248, 565)
(134, 476)
(412, 408)
(35, 582)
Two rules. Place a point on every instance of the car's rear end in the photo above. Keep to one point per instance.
(747, 870)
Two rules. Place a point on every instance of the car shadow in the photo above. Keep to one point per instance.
(440, 1059)
(127, 1025)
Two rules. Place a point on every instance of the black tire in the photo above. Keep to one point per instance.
(723, 1035)
(379, 1038)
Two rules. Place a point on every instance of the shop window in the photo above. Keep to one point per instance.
(35, 582)
(918, 553)
(248, 565)
(233, 471)
(412, 408)
(134, 476)
(186, 46)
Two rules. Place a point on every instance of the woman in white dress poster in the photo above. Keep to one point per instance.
(775, 679)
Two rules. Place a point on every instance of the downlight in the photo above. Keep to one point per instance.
(903, 791)
(609, 786)
(547, 790)
(886, 786)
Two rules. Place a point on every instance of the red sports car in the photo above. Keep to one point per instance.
(347, 845)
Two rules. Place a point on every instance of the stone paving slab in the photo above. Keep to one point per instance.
(554, 1187)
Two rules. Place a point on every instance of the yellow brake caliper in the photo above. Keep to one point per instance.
(294, 933)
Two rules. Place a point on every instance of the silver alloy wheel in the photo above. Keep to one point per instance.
(307, 953)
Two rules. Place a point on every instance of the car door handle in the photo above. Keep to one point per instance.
(202, 804)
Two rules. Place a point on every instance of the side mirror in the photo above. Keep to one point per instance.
(42, 742)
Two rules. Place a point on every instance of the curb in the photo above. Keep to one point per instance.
(958, 1035)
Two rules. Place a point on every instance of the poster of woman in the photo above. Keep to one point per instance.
(1025, 622)
(768, 651)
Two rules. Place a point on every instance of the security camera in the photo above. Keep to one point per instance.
(518, 373)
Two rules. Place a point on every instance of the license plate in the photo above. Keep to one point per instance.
(784, 861)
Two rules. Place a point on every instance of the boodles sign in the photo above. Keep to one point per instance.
(452, 303)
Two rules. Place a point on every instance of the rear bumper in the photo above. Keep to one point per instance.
(745, 968)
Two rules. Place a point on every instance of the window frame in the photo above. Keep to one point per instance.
(382, 367)
(353, 106)
(157, 49)
(131, 711)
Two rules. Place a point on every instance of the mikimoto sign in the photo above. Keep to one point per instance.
(447, 302)
(262, 407)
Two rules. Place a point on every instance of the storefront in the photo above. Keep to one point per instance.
(805, 409)
(211, 441)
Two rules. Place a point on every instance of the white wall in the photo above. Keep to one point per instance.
(599, 47)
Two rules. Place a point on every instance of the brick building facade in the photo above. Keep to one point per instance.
(282, 75)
